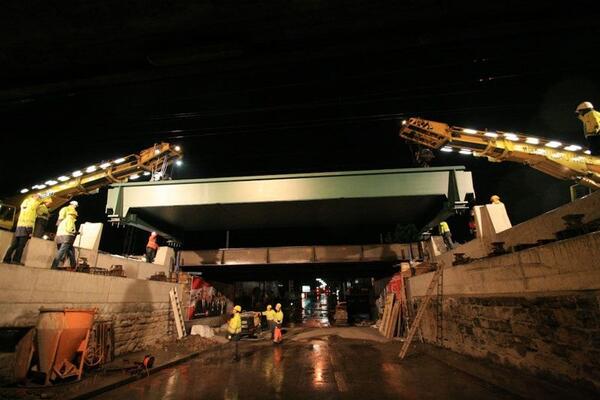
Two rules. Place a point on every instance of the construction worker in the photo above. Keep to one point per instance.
(151, 248)
(278, 320)
(24, 230)
(63, 211)
(472, 224)
(234, 327)
(42, 218)
(270, 314)
(495, 199)
(65, 237)
(447, 235)
(591, 125)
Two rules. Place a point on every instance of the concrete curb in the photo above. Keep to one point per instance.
(133, 378)
(514, 381)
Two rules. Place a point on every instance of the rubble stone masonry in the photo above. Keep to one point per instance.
(537, 310)
(555, 336)
(140, 310)
(137, 326)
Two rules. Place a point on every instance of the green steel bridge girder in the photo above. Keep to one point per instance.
(422, 196)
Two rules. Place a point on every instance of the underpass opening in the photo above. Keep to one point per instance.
(314, 295)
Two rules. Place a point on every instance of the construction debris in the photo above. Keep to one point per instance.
(204, 331)
(83, 266)
(574, 226)
(160, 276)
(461, 258)
(341, 314)
(497, 249)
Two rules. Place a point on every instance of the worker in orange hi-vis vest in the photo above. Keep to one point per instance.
(151, 247)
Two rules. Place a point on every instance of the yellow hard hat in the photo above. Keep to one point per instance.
(495, 199)
(269, 307)
(237, 308)
(586, 105)
(278, 306)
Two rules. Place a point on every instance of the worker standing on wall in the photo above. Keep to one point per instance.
(65, 237)
(495, 199)
(591, 125)
(151, 248)
(446, 235)
(24, 230)
(278, 320)
(63, 211)
(234, 327)
(42, 218)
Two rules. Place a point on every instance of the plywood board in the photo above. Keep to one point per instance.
(387, 312)
(393, 320)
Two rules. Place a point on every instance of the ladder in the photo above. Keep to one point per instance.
(420, 312)
(439, 310)
(176, 305)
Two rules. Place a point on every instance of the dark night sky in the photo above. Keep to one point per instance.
(264, 87)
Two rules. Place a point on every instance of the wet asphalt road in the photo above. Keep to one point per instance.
(318, 368)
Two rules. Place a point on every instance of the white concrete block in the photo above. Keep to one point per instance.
(39, 253)
(498, 217)
(5, 240)
(89, 236)
(165, 256)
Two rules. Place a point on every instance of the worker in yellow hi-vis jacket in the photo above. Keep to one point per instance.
(270, 314)
(234, 327)
(591, 125)
(24, 230)
(446, 235)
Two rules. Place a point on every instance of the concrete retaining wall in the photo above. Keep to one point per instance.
(537, 309)
(493, 226)
(139, 310)
(24, 290)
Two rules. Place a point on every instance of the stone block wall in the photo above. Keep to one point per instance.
(555, 336)
(136, 327)
(139, 310)
(537, 310)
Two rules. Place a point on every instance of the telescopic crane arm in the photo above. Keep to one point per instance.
(548, 156)
(152, 162)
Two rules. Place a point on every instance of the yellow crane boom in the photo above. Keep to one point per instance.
(551, 157)
(152, 161)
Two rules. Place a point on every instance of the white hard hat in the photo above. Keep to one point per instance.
(584, 106)
(74, 203)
